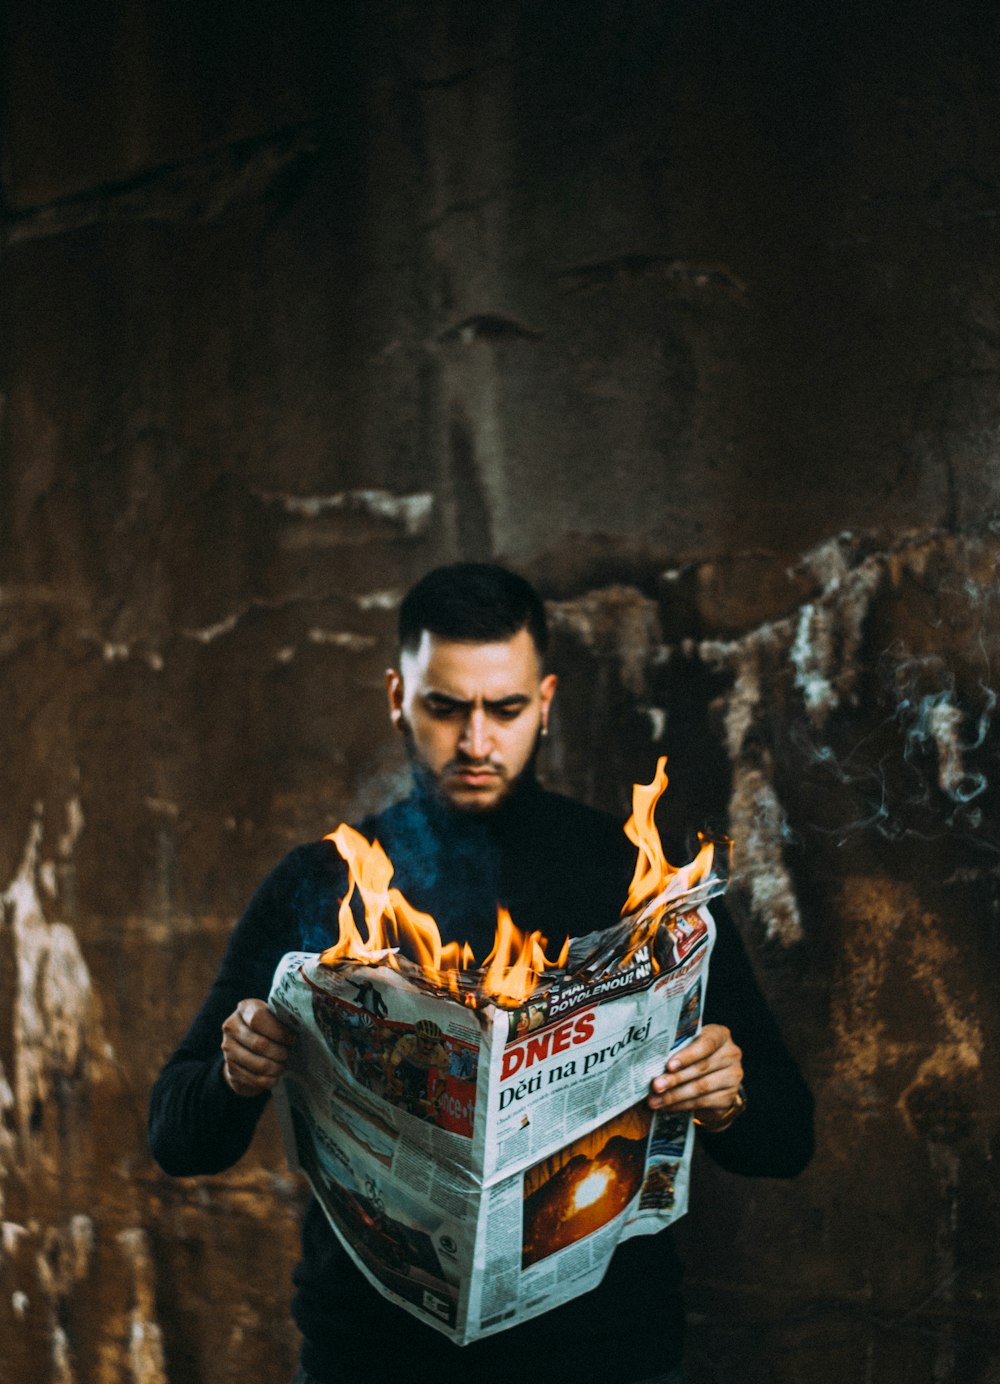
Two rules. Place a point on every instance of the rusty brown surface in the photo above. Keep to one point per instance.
(690, 314)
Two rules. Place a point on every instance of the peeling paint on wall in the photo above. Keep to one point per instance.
(617, 623)
(54, 997)
(896, 942)
(411, 513)
(145, 1338)
(820, 647)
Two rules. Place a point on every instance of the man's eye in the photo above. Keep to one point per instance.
(442, 711)
(507, 713)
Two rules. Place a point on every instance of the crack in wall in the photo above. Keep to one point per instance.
(635, 266)
(198, 189)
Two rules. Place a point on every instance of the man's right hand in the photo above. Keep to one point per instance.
(255, 1047)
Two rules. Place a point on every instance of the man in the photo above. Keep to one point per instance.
(472, 699)
(417, 1065)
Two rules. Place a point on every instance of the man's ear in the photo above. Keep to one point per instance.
(547, 690)
(394, 691)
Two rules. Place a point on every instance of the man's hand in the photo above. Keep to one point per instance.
(255, 1047)
(704, 1077)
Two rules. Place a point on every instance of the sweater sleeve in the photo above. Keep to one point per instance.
(196, 1123)
(774, 1137)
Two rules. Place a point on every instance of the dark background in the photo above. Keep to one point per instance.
(686, 309)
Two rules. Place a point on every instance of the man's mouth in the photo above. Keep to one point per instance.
(474, 776)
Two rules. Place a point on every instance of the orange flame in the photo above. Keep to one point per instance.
(516, 962)
(512, 969)
(394, 926)
(655, 879)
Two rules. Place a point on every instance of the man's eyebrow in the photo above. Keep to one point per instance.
(514, 699)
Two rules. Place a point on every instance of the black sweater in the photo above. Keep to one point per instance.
(557, 866)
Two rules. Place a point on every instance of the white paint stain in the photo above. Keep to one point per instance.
(11, 1234)
(146, 1360)
(820, 647)
(809, 655)
(53, 998)
(617, 622)
(208, 633)
(75, 823)
(379, 600)
(657, 718)
(828, 633)
(411, 513)
(343, 639)
(8, 1148)
(829, 562)
(62, 1365)
(81, 1244)
(944, 721)
(757, 823)
(48, 878)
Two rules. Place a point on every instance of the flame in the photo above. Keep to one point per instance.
(392, 923)
(516, 962)
(510, 973)
(591, 1187)
(655, 879)
(394, 926)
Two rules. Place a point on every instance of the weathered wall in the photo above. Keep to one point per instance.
(687, 309)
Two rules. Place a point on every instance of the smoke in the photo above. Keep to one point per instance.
(866, 711)
(803, 687)
(937, 719)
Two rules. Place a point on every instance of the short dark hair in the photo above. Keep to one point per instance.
(474, 603)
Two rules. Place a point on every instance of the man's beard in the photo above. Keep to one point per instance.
(431, 781)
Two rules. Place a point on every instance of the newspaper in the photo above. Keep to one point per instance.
(480, 1164)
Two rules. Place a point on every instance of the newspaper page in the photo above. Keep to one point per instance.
(480, 1164)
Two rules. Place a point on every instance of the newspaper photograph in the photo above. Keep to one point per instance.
(480, 1161)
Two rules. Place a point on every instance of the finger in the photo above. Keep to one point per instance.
(716, 1090)
(237, 1031)
(699, 1086)
(724, 1068)
(255, 1063)
(694, 1096)
(250, 1050)
(711, 1038)
(245, 1085)
(257, 1017)
(248, 1074)
(726, 1059)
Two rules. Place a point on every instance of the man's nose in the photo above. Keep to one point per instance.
(475, 735)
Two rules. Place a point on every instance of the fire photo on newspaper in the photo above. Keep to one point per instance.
(585, 1185)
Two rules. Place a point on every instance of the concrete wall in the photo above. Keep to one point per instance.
(688, 310)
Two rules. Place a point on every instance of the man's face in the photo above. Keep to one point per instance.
(472, 712)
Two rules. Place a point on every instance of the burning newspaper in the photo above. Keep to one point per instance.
(481, 1150)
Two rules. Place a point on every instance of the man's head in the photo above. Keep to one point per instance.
(470, 694)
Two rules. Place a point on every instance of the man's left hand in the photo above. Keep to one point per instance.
(703, 1077)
